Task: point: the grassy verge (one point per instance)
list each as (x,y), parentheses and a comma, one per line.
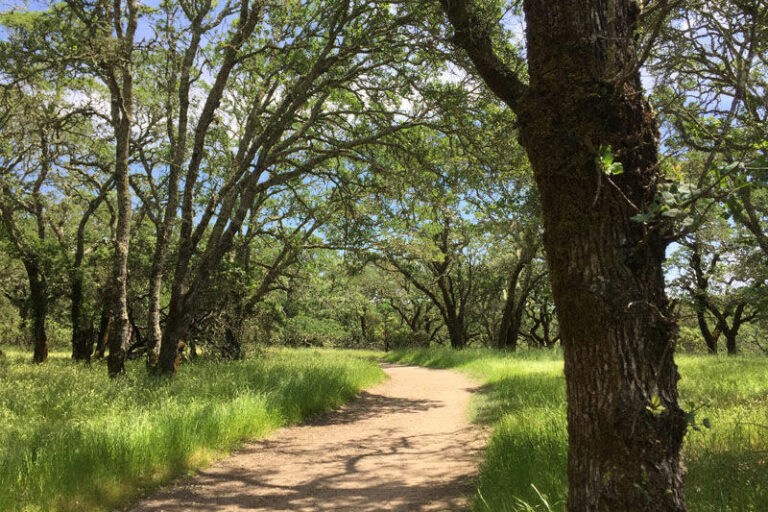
(73,440)
(523,398)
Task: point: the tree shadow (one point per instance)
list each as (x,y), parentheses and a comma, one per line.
(382,471)
(369,405)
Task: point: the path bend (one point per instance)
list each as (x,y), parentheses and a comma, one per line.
(405,445)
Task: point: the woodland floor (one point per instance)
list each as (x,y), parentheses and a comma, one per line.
(404,445)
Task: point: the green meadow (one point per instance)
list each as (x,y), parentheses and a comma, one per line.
(71,439)
(523,400)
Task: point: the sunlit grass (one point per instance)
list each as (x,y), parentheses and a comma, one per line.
(71,439)
(523,398)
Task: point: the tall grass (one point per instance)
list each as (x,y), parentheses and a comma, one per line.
(523,398)
(73,440)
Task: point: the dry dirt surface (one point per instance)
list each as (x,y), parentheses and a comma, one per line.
(405,445)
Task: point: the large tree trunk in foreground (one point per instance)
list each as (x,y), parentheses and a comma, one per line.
(607,277)
(606,269)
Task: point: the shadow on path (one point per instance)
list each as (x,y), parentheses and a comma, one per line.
(403,446)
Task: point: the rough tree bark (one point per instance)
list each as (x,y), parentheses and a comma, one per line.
(178,309)
(617,329)
(121,91)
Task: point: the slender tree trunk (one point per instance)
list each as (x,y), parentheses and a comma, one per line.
(710,338)
(179,315)
(120,332)
(165,229)
(82,339)
(38,295)
(730,344)
(154,331)
(122,115)
(700,302)
(617,327)
(508,328)
(184,302)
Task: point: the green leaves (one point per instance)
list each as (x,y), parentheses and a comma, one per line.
(671,202)
(607,163)
(656,408)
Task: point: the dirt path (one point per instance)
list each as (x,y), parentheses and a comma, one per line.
(404,446)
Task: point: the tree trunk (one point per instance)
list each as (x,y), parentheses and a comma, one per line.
(105,324)
(730,344)
(82,342)
(120,333)
(154,332)
(509,329)
(122,115)
(700,302)
(173,334)
(165,228)
(456,331)
(607,277)
(616,324)
(38,296)
(514,307)
(82,338)
(710,337)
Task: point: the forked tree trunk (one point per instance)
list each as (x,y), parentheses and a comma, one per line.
(82,337)
(710,337)
(606,269)
(512,316)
